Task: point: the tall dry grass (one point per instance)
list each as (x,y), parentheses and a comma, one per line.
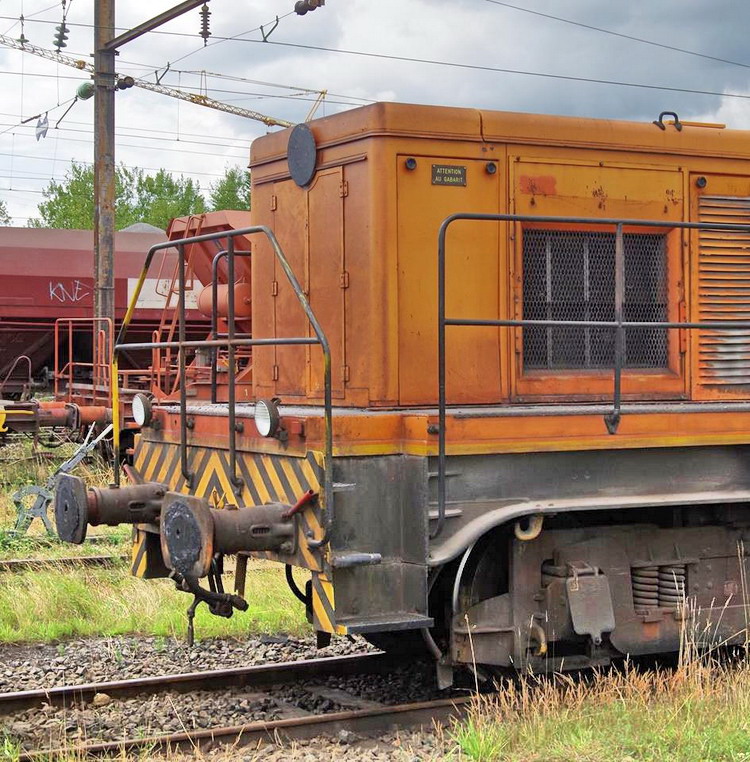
(697,712)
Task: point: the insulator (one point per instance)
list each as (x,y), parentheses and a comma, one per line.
(671,586)
(23,39)
(645,582)
(301,7)
(85,90)
(205,30)
(61,35)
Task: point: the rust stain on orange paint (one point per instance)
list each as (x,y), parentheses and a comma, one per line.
(541,185)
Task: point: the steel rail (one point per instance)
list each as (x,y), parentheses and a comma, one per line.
(256,676)
(361,722)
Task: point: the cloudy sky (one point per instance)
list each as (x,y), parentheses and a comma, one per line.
(501,56)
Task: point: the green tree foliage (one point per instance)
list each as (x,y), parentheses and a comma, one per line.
(139,197)
(232,191)
(160,197)
(70,203)
(4,216)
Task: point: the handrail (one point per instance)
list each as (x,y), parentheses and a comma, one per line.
(618,324)
(101,353)
(230,343)
(19,359)
(214,317)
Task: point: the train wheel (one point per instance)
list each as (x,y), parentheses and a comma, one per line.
(484,572)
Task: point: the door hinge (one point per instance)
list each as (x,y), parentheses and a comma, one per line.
(517,315)
(274,288)
(682,318)
(275,372)
(343,189)
(345,373)
(274,203)
(344,279)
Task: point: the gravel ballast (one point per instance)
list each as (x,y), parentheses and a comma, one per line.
(25,667)
(94,660)
(112,719)
(402,746)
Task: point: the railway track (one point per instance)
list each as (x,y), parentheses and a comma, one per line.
(24,564)
(346,711)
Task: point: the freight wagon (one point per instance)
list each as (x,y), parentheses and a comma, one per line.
(47,278)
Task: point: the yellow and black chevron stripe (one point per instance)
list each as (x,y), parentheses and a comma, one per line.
(265,478)
(323,605)
(138,557)
(146,560)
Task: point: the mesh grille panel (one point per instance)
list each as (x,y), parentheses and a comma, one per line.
(571,276)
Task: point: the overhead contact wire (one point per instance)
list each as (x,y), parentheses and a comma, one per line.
(459,65)
(621,34)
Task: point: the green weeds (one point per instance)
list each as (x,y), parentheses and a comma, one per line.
(10,751)
(48,605)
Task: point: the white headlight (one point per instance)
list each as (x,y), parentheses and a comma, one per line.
(141,409)
(266,417)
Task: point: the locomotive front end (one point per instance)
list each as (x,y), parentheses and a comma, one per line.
(491,392)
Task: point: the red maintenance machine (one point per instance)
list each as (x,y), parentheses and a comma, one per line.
(50,342)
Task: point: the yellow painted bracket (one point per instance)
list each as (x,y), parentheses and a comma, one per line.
(114,376)
(4,418)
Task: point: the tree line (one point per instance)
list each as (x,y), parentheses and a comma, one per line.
(139,197)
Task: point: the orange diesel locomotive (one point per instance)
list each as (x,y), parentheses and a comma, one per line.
(495,397)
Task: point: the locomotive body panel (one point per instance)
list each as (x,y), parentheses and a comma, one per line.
(609,170)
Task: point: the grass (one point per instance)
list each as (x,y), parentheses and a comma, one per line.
(697,713)
(113,542)
(65,602)
(22,465)
(43,606)
(10,751)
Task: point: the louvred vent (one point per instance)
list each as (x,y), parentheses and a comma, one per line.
(724,292)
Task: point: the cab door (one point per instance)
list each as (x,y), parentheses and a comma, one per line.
(430,188)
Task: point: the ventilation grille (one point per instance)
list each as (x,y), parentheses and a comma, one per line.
(724,292)
(570,275)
